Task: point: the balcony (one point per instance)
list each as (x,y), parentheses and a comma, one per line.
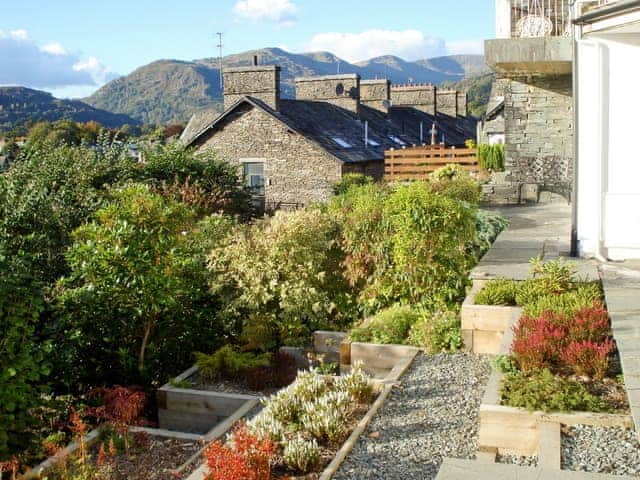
(533,38)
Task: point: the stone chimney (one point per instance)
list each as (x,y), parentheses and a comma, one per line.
(463,104)
(261,82)
(340,90)
(447,102)
(419,96)
(376,94)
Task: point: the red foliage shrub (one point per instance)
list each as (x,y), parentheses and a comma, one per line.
(10,466)
(590,324)
(245,458)
(121,408)
(588,358)
(538,341)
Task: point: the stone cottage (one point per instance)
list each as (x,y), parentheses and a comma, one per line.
(293,152)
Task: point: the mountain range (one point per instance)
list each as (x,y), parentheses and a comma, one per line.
(171,91)
(20,105)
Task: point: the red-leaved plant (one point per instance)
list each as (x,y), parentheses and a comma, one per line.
(10,466)
(244,457)
(590,324)
(121,408)
(538,341)
(580,342)
(588,358)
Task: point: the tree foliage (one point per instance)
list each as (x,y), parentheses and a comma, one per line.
(136,303)
(23,361)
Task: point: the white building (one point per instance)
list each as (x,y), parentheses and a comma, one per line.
(607,104)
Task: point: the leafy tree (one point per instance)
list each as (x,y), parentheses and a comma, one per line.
(136,304)
(23,360)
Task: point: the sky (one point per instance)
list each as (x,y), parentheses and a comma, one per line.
(72,47)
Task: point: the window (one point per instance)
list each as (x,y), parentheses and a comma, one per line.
(397,140)
(254,178)
(342,142)
(372,143)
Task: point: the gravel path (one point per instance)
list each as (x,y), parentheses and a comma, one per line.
(600,450)
(433,414)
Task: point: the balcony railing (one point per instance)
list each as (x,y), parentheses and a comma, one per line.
(533,18)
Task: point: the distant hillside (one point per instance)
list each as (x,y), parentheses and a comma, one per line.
(20,105)
(478,90)
(169,91)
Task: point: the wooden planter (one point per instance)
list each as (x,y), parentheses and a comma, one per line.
(483,326)
(516,431)
(383,385)
(197,411)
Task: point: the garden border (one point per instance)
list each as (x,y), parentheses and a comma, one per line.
(386,385)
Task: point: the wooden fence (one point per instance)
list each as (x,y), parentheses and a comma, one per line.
(417,163)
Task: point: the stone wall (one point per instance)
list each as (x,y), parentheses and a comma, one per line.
(296,170)
(539,132)
(463,104)
(447,102)
(420,96)
(375,94)
(340,90)
(262,82)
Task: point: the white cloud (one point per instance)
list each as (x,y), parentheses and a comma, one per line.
(353,47)
(406,44)
(49,66)
(282,12)
(54,49)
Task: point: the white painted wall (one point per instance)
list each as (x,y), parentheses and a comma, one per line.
(503,18)
(609,145)
(495,138)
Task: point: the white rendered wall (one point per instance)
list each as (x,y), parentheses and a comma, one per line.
(608,145)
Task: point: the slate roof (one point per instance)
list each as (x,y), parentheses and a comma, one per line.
(320,122)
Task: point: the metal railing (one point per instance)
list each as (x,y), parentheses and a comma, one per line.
(540,18)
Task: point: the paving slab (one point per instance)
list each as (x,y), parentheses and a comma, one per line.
(455,469)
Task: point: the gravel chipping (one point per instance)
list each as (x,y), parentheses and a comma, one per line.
(515,460)
(433,414)
(600,450)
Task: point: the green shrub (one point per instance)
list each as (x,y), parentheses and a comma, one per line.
(24,362)
(548,392)
(228,362)
(136,303)
(583,295)
(491,157)
(282,278)
(489,224)
(437,332)
(453,182)
(501,292)
(350,180)
(390,326)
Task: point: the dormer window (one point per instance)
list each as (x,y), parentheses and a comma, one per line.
(372,143)
(341,142)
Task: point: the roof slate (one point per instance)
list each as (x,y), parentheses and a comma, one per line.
(320,121)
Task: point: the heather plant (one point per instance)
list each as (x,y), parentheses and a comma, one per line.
(583,296)
(539,341)
(356,383)
(542,390)
(500,292)
(300,454)
(587,358)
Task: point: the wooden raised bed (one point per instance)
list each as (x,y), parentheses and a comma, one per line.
(483,326)
(517,431)
(384,387)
